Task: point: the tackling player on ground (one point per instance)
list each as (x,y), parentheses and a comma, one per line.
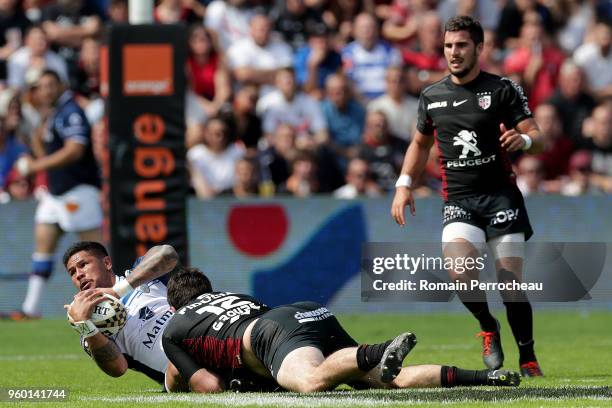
(216,338)
(475,119)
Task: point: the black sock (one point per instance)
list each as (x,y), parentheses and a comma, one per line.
(453,376)
(520,318)
(369,355)
(481,312)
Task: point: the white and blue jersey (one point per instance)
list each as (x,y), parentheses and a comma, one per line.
(140,340)
(70,123)
(367,68)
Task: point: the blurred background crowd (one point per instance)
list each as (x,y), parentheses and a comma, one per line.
(305,97)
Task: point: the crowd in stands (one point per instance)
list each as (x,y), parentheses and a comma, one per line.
(303,97)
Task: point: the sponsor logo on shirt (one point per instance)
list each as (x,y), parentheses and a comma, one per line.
(145,313)
(468,142)
(151,335)
(435,105)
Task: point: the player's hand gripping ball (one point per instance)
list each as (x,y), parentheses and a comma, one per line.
(109,315)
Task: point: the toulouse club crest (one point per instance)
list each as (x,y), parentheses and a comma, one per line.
(484,101)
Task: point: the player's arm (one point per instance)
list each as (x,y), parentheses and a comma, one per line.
(199,379)
(158,261)
(518,130)
(102,349)
(71,152)
(525,135)
(414,164)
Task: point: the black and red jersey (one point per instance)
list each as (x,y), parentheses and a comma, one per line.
(465,121)
(207,333)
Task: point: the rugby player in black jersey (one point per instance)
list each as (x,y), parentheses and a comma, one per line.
(218,339)
(476,119)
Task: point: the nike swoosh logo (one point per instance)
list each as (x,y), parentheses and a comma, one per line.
(455,103)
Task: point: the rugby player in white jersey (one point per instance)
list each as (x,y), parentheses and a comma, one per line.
(143,292)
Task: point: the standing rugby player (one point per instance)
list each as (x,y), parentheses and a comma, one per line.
(476,119)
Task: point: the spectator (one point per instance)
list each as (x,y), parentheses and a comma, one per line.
(245,124)
(366,59)
(229,21)
(535,61)
(10,150)
(382,151)
(580,176)
(511,20)
(173,12)
(344,115)
(72,203)
(399,107)
(599,129)
(14,122)
(34,55)
(33,10)
(209,78)
(213,162)
(67,23)
(595,59)
(303,181)
(402,22)
(293,20)
(117,12)
(316,61)
(530,175)
(426,61)
(246,180)
(487,12)
(578,16)
(358,181)
(86,82)
(13,24)
(571,100)
(257,58)
(287,105)
(341,16)
(557,148)
(18,187)
(491,58)
(277,159)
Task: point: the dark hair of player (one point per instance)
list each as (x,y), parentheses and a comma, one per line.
(186,285)
(89,246)
(466,23)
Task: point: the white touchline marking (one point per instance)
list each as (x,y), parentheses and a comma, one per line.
(42,357)
(246,399)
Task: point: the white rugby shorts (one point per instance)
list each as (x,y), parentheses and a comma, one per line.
(76,210)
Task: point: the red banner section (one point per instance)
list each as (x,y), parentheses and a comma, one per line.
(147,184)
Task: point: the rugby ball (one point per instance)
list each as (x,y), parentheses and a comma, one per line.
(109,315)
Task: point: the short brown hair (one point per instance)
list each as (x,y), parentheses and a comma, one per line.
(466,23)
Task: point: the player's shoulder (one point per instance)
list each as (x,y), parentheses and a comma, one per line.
(439,86)
(499,81)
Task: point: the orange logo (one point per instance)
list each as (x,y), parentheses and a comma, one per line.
(147,70)
(72,207)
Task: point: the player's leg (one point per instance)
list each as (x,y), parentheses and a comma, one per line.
(508,228)
(306,369)
(46,237)
(382,362)
(463,240)
(424,376)
(508,251)
(304,347)
(91,235)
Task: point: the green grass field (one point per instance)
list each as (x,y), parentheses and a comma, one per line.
(575,350)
